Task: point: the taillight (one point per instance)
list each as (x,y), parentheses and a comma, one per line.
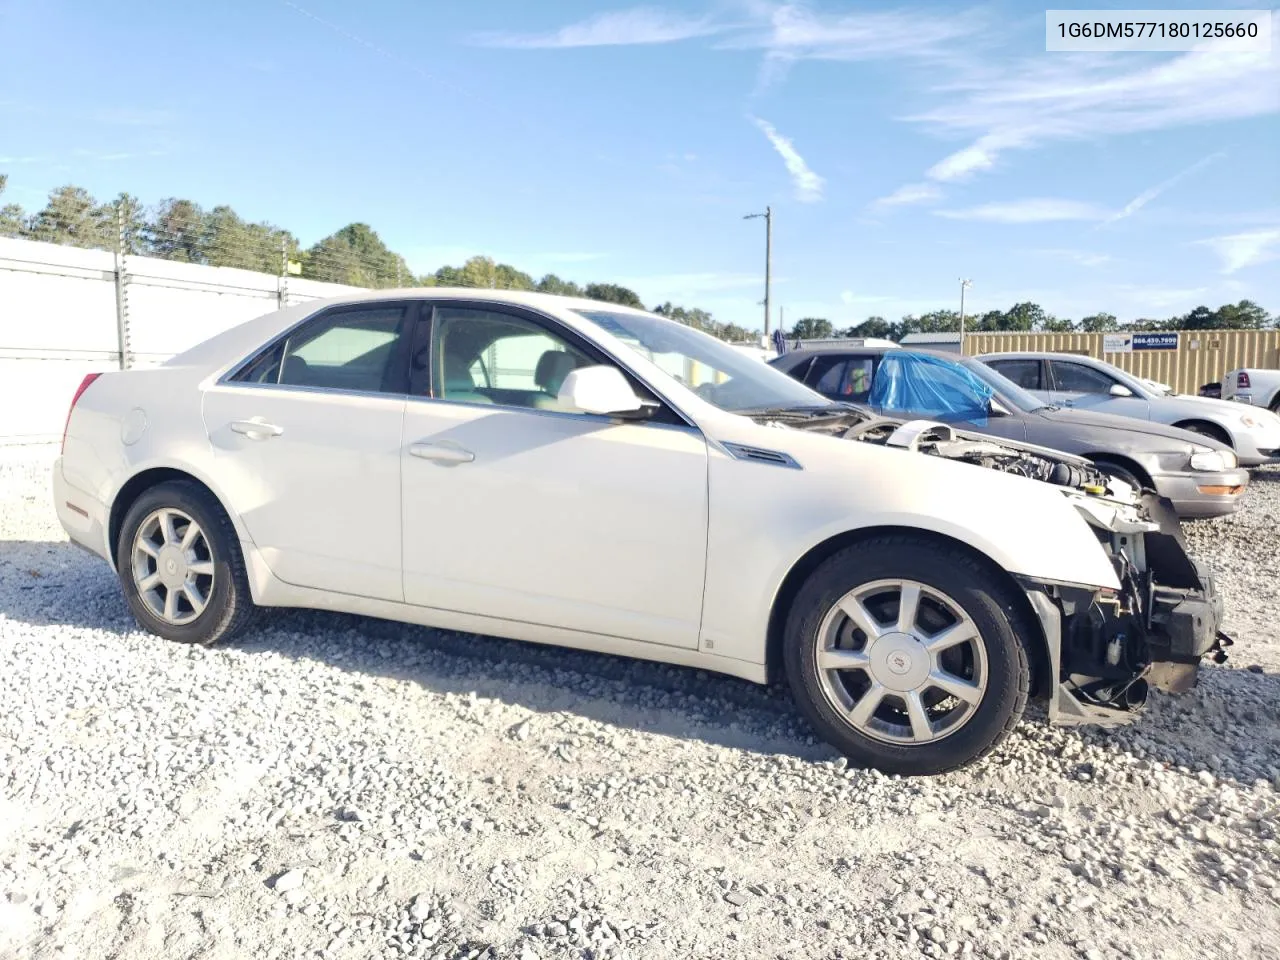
(1242,381)
(84,385)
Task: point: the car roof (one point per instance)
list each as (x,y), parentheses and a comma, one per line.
(1038,355)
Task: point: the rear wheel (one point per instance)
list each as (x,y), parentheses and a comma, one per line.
(181,567)
(903,654)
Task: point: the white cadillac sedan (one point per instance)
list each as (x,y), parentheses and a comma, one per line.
(579,473)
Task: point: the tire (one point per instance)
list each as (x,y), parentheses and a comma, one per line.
(996,656)
(1201,430)
(211,569)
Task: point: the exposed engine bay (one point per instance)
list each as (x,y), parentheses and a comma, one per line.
(1106,647)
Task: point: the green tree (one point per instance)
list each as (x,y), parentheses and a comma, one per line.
(812,328)
(553,284)
(177,232)
(877,327)
(73,218)
(938,321)
(1245,315)
(612,293)
(357,256)
(1100,323)
(13,221)
(1052,324)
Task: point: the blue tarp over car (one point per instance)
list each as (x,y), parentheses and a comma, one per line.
(922,384)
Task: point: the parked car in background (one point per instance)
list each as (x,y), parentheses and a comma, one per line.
(1212,390)
(1199,474)
(579,473)
(1253,385)
(1085,383)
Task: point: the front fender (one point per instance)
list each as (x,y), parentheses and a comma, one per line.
(763,520)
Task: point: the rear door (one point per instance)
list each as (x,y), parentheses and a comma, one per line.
(306,437)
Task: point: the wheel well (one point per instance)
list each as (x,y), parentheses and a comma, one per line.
(1121,461)
(1208,428)
(135,487)
(1037,652)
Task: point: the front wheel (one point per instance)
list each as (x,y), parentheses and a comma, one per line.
(903,654)
(181,566)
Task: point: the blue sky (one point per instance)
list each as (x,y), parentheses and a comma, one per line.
(901,147)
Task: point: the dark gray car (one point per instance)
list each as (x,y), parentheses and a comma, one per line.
(1198,474)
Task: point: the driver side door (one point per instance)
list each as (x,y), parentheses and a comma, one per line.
(518,509)
(1082,386)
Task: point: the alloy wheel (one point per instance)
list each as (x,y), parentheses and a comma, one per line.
(901,661)
(173,566)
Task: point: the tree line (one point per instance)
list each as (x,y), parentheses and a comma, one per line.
(1028,316)
(181,230)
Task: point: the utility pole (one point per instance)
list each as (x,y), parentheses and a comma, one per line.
(964,285)
(282,284)
(768,258)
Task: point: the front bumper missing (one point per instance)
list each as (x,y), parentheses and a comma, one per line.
(1182,626)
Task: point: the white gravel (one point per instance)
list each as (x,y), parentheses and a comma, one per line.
(331,786)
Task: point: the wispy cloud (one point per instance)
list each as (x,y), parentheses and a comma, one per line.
(1240,250)
(1142,199)
(1082,257)
(808,185)
(639,25)
(792,32)
(1035,210)
(910,193)
(1034,102)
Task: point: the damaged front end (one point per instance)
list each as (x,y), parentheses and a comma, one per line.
(1105,647)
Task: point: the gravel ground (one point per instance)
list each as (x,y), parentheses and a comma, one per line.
(331,786)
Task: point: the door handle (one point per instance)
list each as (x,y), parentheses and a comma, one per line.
(256,429)
(440,453)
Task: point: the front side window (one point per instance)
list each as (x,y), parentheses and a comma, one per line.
(490,357)
(716,371)
(1077,378)
(350,349)
(1025,373)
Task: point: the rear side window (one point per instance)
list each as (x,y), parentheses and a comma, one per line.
(340,350)
(844,378)
(1025,373)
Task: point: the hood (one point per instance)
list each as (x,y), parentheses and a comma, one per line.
(1073,475)
(1074,416)
(1224,410)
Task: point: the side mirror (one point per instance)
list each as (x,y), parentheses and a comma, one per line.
(998,409)
(1120,390)
(602,390)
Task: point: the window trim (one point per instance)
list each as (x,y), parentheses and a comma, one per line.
(1041,371)
(397,374)
(1053,365)
(554,328)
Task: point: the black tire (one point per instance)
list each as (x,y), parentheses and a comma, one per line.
(229,607)
(972,586)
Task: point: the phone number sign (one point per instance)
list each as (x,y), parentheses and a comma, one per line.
(1128,342)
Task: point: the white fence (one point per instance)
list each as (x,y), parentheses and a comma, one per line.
(65,312)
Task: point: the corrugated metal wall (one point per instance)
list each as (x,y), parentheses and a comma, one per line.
(1203,356)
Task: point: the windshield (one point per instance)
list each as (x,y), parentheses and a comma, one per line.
(1006,390)
(728,378)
